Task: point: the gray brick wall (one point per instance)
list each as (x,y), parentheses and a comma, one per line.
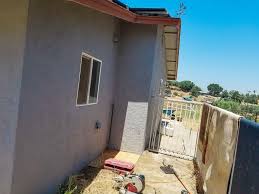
(133,138)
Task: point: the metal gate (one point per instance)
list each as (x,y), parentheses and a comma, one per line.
(175,128)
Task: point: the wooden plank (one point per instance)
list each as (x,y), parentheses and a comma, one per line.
(119,155)
(127,157)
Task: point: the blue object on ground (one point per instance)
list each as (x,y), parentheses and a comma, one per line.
(168,111)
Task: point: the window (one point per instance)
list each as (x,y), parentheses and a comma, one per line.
(88,88)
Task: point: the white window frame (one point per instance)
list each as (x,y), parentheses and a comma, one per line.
(90,80)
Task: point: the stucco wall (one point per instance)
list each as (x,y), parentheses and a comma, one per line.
(157,84)
(54,137)
(135,62)
(13,17)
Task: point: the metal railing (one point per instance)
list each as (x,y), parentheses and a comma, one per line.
(185,112)
(178,130)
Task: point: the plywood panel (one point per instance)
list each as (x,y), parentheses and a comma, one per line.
(119,155)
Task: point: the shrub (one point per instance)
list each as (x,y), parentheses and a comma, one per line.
(69,187)
(229,105)
(173,83)
(247,110)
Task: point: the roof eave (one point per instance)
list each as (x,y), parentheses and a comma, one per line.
(172,51)
(111,8)
(157,20)
(178,48)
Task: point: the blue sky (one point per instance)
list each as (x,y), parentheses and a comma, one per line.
(219,41)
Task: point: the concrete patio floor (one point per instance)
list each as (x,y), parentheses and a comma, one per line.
(159,179)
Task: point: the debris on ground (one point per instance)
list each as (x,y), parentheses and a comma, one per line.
(169,169)
(130,183)
(119,155)
(158,178)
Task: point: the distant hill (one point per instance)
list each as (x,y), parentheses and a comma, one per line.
(177,93)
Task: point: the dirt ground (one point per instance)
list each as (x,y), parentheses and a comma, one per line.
(158,171)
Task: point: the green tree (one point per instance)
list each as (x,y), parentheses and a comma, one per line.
(251,98)
(225,94)
(215,89)
(186,86)
(195,91)
(236,96)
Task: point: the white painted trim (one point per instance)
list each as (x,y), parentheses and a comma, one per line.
(90,56)
(99,81)
(90,80)
(78,83)
(81,105)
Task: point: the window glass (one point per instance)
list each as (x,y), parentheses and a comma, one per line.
(94,88)
(88,88)
(84,80)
